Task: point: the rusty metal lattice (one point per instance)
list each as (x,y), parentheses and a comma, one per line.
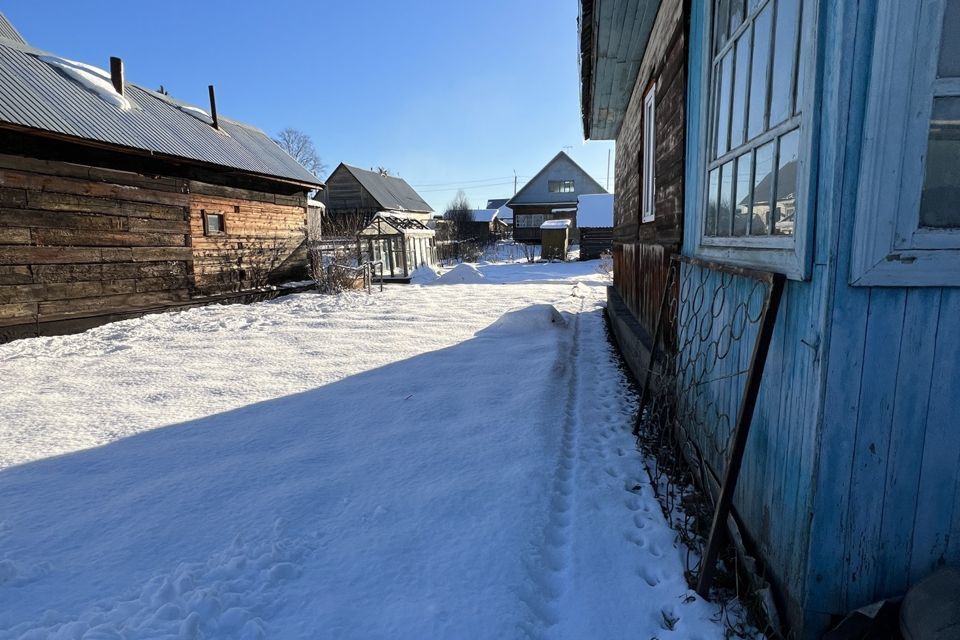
(709,350)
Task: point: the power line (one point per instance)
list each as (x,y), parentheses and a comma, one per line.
(470,188)
(455,182)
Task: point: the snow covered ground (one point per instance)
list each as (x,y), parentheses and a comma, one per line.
(446,460)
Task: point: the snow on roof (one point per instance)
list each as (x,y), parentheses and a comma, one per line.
(595,210)
(564,209)
(90,77)
(315,203)
(559,223)
(484,215)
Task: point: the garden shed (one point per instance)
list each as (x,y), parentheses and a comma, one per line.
(402,243)
(555,237)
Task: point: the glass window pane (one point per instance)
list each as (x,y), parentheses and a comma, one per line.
(741,195)
(949,65)
(725,210)
(940,201)
(784,55)
(720,23)
(723,103)
(784,214)
(758,72)
(713,187)
(736,14)
(799,88)
(762,188)
(738,116)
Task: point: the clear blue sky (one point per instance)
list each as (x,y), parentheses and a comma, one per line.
(445,94)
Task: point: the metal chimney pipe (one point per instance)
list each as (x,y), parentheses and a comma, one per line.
(116,74)
(213,107)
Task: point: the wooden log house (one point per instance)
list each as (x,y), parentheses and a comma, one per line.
(116,200)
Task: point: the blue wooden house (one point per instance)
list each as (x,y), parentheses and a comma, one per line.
(821,140)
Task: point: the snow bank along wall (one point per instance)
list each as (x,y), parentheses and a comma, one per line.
(88,236)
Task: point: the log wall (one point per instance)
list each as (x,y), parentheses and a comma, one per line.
(79,242)
(264,234)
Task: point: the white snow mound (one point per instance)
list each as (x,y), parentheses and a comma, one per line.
(423,275)
(534,319)
(462,274)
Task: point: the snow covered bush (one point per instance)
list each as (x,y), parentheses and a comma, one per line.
(333,266)
(606,264)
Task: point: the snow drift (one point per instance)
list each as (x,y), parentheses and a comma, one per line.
(423,275)
(530,320)
(463,273)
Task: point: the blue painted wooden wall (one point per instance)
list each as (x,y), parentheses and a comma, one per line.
(850,485)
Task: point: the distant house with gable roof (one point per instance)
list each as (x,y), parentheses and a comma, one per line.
(549,195)
(355,195)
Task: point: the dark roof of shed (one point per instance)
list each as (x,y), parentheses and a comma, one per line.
(496,203)
(37,96)
(390,192)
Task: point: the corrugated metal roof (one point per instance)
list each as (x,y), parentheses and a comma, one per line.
(38,96)
(389,191)
(8,31)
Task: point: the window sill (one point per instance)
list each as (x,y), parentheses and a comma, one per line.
(783,260)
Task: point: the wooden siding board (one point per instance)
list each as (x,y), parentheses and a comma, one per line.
(845,317)
(878,379)
(939,479)
(902,473)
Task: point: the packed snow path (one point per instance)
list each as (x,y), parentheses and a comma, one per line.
(447,460)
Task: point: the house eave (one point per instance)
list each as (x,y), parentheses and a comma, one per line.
(613,38)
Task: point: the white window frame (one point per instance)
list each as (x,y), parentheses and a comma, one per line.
(649,155)
(790,255)
(889,246)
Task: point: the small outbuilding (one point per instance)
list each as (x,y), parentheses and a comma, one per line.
(402,243)
(555,238)
(486,224)
(595,221)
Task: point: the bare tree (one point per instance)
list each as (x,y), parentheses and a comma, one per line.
(460,215)
(299,145)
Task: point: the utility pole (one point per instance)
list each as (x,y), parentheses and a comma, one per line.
(608,168)
(514,182)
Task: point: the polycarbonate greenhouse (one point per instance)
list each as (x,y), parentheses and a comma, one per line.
(403,244)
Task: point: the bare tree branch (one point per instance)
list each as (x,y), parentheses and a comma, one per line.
(300,146)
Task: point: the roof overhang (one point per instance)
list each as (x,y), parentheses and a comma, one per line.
(613,38)
(177,160)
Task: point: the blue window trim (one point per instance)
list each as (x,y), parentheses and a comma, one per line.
(791,256)
(889,247)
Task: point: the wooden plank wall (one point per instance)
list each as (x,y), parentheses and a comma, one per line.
(775,494)
(263,230)
(344,191)
(643,250)
(78,241)
(887,511)
(850,485)
(595,241)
